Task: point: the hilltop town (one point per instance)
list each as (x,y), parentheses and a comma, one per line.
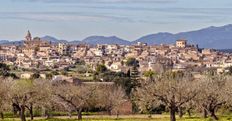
(40,55)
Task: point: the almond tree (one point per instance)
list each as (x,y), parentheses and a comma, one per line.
(27,93)
(21,94)
(42,98)
(173,89)
(212,95)
(74,97)
(4,95)
(146,101)
(228,91)
(111,98)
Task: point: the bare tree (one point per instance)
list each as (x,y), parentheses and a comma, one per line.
(173,89)
(4,95)
(146,101)
(111,98)
(27,93)
(42,97)
(213,95)
(189,107)
(73,97)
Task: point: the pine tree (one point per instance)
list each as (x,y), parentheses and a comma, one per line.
(134,79)
(134,76)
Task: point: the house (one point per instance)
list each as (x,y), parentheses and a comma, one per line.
(62,79)
(181,43)
(26,75)
(116,67)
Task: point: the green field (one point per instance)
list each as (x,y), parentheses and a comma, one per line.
(225,118)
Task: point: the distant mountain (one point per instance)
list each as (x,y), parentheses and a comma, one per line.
(225,50)
(4,41)
(93,40)
(53,40)
(211,37)
(7,42)
(159,38)
(75,42)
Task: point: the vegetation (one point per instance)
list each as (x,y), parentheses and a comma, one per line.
(5,71)
(101,68)
(170,93)
(132,62)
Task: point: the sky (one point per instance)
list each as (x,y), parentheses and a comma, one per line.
(127,19)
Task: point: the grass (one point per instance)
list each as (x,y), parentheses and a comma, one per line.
(225,118)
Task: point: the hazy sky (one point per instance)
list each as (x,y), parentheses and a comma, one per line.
(128,19)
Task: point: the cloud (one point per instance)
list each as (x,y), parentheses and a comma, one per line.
(61,16)
(139,13)
(161,16)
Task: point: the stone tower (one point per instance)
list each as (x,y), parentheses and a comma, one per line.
(28,37)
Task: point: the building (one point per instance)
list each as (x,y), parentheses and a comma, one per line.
(181,43)
(62,48)
(34,43)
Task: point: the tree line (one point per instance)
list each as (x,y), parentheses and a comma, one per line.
(181,93)
(177,92)
(23,96)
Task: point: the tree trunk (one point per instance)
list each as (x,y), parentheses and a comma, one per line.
(22,113)
(70,114)
(2,115)
(213,115)
(109,111)
(189,112)
(79,114)
(180,111)
(172,113)
(205,114)
(46,114)
(117,114)
(31,112)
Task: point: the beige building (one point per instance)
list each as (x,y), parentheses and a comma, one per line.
(62,48)
(181,43)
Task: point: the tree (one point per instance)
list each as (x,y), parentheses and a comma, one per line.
(49,75)
(74,98)
(212,94)
(146,103)
(134,77)
(42,88)
(132,62)
(170,89)
(21,94)
(229,70)
(111,98)
(134,84)
(4,95)
(149,74)
(189,107)
(36,75)
(4,69)
(101,68)
(27,93)
(124,82)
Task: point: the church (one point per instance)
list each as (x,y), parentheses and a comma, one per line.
(32,46)
(35,42)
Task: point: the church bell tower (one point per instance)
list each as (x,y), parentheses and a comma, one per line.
(28,37)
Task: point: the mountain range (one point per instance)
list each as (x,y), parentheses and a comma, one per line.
(211,37)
